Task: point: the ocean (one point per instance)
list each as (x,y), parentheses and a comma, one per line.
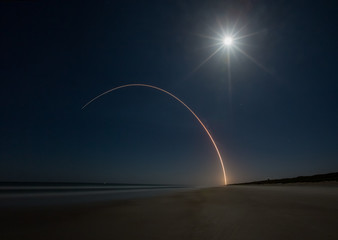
(23,194)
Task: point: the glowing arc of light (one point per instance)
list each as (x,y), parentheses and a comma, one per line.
(172,95)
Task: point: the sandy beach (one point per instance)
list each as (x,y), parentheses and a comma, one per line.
(232,212)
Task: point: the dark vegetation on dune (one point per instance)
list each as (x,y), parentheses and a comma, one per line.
(300,179)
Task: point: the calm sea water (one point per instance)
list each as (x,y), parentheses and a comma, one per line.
(38,194)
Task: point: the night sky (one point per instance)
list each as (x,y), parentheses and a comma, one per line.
(276,117)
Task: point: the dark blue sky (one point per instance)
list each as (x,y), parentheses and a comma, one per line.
(55,57)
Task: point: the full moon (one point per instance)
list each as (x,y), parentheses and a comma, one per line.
(227,41)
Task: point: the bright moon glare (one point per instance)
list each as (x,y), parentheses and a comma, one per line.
(227,41)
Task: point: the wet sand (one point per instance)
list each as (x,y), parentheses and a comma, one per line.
(232,212)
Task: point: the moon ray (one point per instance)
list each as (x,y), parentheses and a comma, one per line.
(206,60)
(250,34)
(254,60)
(179,100)
(229,81)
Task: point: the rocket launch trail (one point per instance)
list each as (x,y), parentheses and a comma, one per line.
(172,95)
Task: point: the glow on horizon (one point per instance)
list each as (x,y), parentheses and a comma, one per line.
(172,95)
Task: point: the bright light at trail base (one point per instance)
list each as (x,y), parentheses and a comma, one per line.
(227,41)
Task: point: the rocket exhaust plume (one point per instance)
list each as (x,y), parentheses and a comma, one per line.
(172,95)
